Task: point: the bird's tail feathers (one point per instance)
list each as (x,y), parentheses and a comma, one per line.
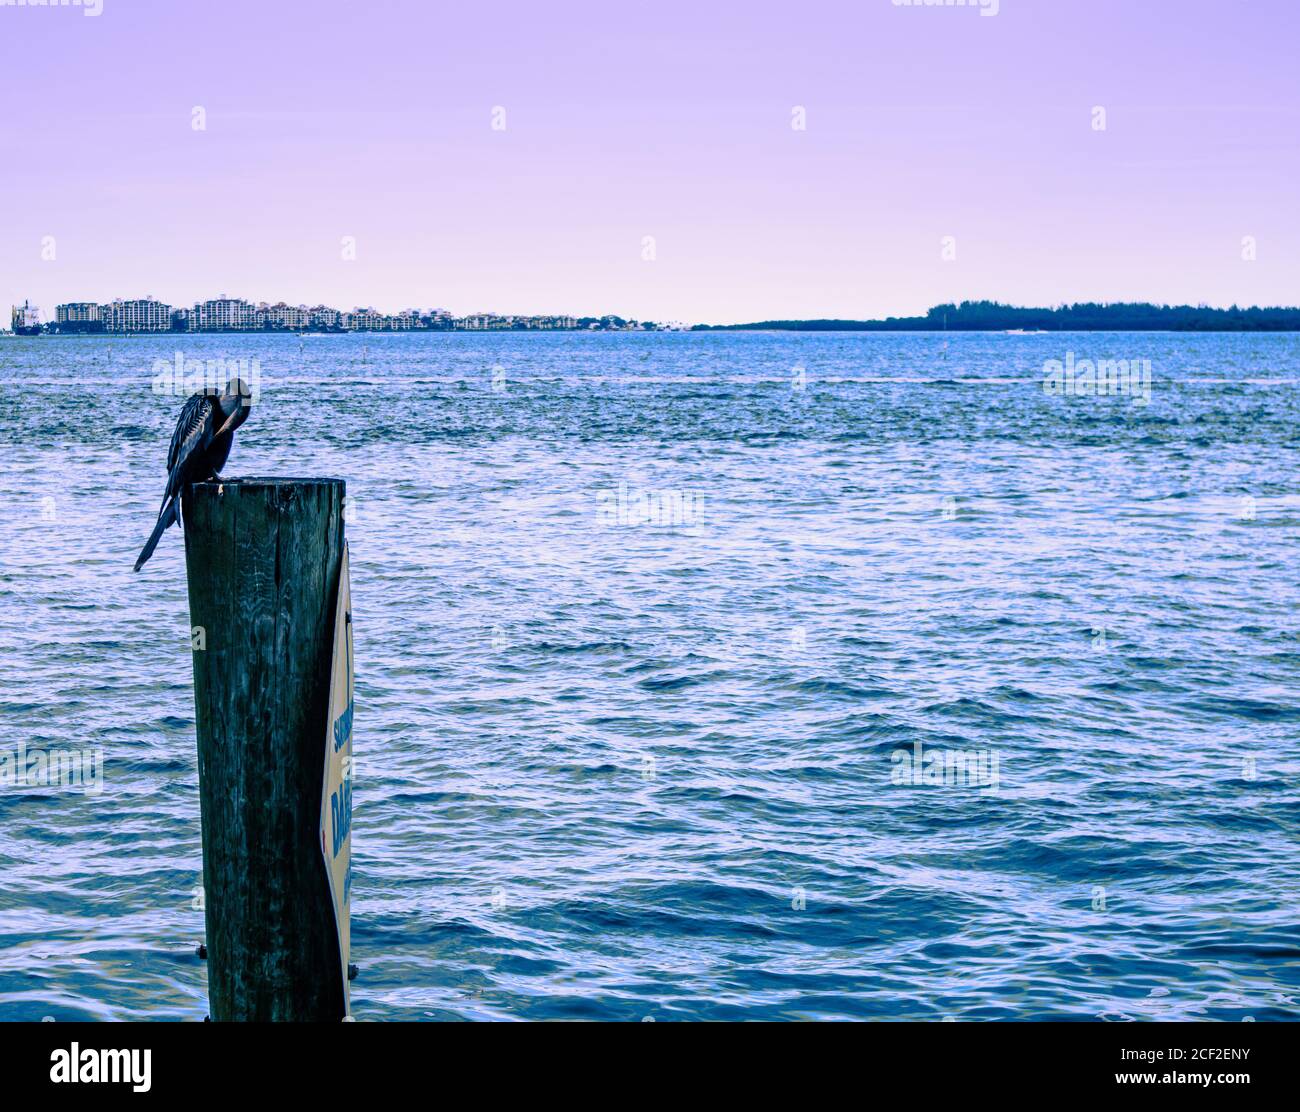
(166,516)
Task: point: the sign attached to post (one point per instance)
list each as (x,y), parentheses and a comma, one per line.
(336,785)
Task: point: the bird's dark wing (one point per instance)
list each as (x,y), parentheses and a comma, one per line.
(193,432)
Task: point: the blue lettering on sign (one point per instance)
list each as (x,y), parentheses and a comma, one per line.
(343,728)
(341,814)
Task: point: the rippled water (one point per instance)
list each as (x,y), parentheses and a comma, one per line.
(617,768)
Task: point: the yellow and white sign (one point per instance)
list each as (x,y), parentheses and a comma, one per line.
(336,785)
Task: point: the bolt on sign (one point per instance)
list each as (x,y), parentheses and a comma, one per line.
(336,785)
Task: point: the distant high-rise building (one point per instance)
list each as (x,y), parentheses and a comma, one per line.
(322,316)
(225,314)
(483,321)
(79,312)
(143,315)
(80,316)
(363,320)
(281,316)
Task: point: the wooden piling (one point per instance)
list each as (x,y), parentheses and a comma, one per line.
(263,558)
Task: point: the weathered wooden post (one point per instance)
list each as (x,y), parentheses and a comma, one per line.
(263,558)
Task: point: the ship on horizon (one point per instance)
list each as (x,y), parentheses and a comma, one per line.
(25,320)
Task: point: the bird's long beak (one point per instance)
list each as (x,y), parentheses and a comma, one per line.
(229,421)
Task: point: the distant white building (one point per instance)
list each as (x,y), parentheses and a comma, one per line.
(282,316)
(484,321)
(363,320)
(79,312)
(143,315)
(225,314)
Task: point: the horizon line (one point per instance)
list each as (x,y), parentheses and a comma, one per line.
(778,323)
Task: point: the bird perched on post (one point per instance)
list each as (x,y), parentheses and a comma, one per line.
(199,450)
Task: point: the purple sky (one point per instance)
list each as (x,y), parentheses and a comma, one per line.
(330,119)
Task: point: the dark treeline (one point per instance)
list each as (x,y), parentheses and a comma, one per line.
(991,316)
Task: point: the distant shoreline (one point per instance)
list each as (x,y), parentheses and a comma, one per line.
(813,327)
(232,314)
(992,316)
(794,326)
(968,316)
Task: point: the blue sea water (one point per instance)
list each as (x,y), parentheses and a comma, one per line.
(650,627)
